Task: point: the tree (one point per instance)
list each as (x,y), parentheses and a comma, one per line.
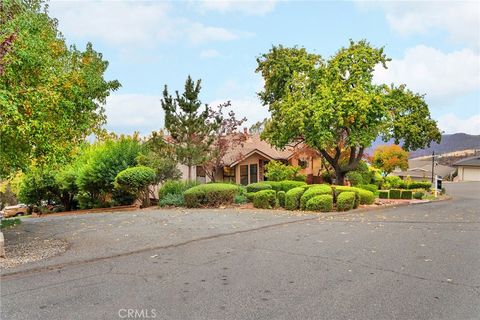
(50,94)
(66,179)
(277,171)
(258,127)
(334,107)
(159,155)
(136,180)
(188,122)
(39,185)
(388,158)
(226,138)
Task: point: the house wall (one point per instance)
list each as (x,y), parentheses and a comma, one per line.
(253,159)
(314,163)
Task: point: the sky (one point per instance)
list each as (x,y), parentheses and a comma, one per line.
(434,46)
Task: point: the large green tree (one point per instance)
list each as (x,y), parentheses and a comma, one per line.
(191,127)
(334,106)
(51,95)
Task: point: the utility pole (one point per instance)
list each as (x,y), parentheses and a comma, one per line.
(433,167)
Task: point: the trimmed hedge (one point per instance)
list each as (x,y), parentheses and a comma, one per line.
(406,194)
(258,186)
(211,194)
(281,198)
(312,192)
(346,201)
(265,199)
(383,194)
(249,196)
(370,187)
(292,198)
(420,185)
(366,197)
(418,195)
(322,203)
(340,189)
(395,194)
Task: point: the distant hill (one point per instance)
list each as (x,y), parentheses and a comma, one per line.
(449,143)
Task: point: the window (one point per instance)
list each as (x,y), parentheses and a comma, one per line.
(201,176)
(229,174)
(244,175)
(253,173)
(303,163)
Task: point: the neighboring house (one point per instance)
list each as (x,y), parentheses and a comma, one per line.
(245,163)
(468,169)
(419,170)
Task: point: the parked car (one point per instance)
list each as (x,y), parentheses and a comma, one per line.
(17,210)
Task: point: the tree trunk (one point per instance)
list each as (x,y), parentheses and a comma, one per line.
(340,176)
(189,173)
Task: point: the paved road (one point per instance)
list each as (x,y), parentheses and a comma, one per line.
(415,262)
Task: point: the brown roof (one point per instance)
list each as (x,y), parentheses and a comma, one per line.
(252,145)
(469,162)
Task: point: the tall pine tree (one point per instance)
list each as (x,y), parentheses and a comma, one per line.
(191,128)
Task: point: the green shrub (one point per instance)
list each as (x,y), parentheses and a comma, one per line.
(292,198)
(136,180)
(289,184)
(277,171)
(265,199)
(341,189)
(240,199)
(175,187)
(370,187)
(418,195)
(355,178)
(322,203)
(312,192)
(392,182)
(300,177)
(210,194)
(346,201)
(406,194)
(420,185)
(395,193)
(383,194)
(281,198)
(172,200)
(249,196)
(366,197)
(258,186)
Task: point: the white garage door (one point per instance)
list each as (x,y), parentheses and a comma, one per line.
(471,173)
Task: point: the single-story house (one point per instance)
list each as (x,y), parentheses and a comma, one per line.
(419,170)
(468,169)
(245,163)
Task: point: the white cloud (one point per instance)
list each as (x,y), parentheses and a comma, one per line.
(450,123)
(248,7)
(127,113)
(209,53)
(428,70)
(247,107)
(460,19)
(132,23)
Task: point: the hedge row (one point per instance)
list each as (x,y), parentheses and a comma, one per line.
(399,194)
(211,194)
(274,185)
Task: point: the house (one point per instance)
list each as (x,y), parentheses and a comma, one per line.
(245,163)
(420,170)
(468,169)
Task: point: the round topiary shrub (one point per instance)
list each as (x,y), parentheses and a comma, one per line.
(366,197)
(292,198)
(265,199)
(281,198)
(136,180)
(312,192)
(345,201)
(290,184)
(370,187)
(258,186)
(418,195)
(322,203)
(249,196)
(211,194)
(339,189)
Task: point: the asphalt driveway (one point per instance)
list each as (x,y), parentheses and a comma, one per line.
(414,262)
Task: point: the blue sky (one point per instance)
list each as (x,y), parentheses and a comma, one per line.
(435,47)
